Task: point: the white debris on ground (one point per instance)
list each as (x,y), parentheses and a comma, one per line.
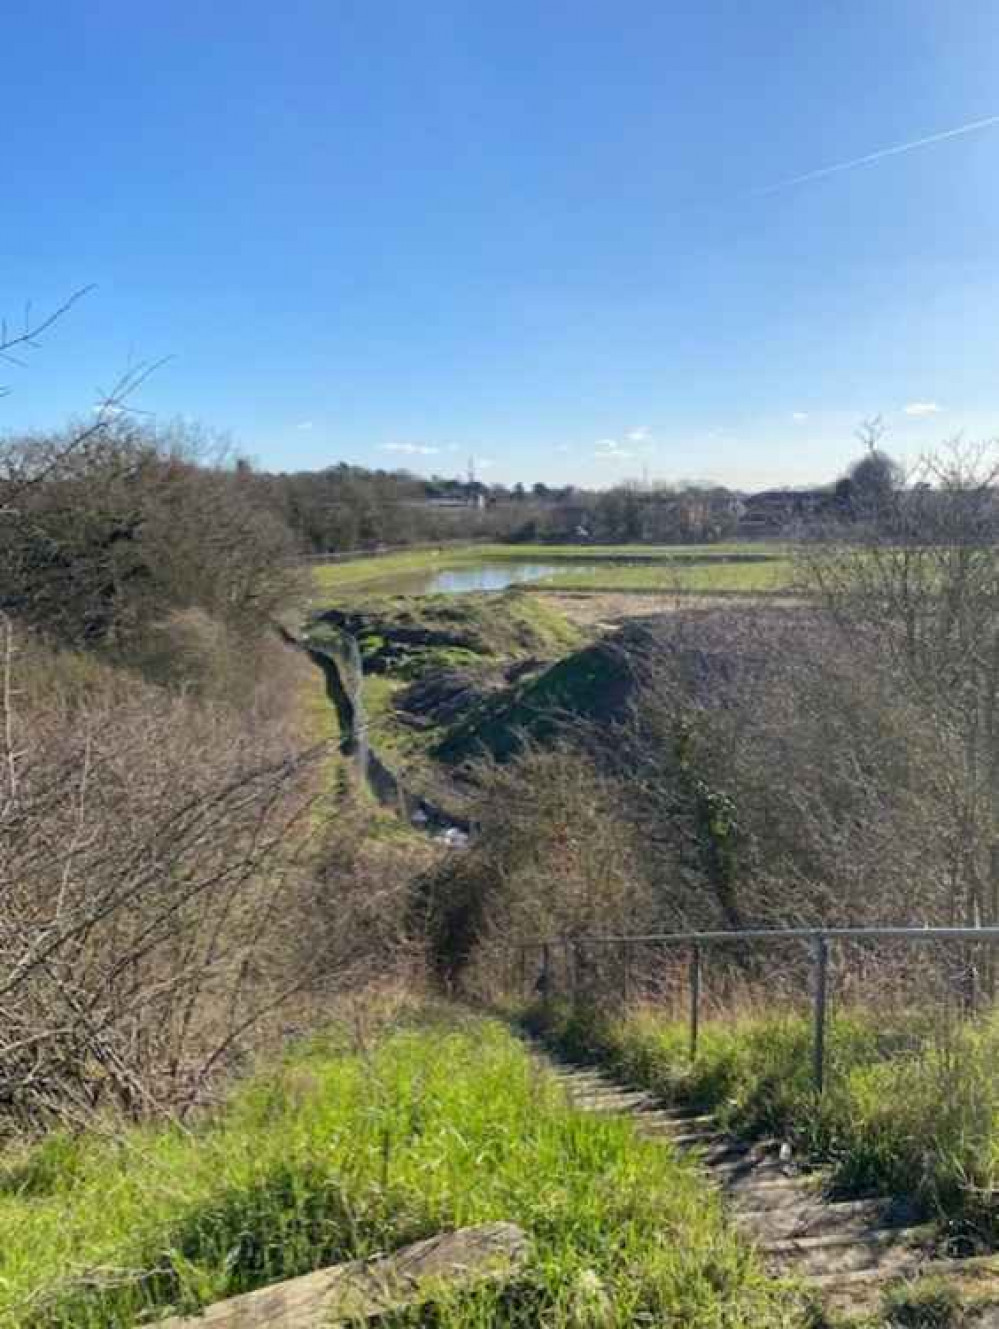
(453,838)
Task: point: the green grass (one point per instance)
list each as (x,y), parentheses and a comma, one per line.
(365,573)
(910,1108)
(926,1303)
(397,743)
(338,1153)
(403,638)
(405,634)
(395,569)
(713,576)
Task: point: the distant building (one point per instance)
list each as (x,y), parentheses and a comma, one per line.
(774,510)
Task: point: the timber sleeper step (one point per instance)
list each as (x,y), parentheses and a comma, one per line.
(818,1217)
(365,1291)
(848,1251)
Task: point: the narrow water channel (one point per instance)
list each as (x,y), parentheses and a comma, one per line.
(343,674)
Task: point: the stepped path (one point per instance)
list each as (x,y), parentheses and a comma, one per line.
(847,1251)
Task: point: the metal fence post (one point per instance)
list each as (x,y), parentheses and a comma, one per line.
(695,998)
(523,972)
(819,1036)
(546,971)
(626,972)
(570,976)
(993,915)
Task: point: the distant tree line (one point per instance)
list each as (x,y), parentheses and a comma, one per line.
(344,508)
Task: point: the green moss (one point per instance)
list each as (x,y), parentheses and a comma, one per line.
(495,627)
(403,639)
(593,684)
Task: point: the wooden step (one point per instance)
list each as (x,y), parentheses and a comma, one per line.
(849,1251)
(972,1267)
(364,1290)
(668,1128)
(817,1217)
(811,1257)
(761,1195)
(858,1291)
(733,1171)
(700,1138)
(622,1105)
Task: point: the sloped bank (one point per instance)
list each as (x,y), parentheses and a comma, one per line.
(383,783)
(407,669)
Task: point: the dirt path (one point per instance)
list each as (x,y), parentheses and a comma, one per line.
(847,1251)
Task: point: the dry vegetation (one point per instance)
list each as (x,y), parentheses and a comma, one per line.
(833,764)
(176,884)
(186,877)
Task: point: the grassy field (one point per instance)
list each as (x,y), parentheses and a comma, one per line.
(909,1109)
(734,564)
(713,576)
(342,1152)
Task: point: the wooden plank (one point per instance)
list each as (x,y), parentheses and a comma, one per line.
(362,1290)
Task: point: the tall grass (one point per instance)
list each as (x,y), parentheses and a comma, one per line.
(339,1153)
(912,1109)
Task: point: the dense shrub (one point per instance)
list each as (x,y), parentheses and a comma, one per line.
(102,540)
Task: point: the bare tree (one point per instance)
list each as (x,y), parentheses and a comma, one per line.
(144,890)
(107,531)
(923,588)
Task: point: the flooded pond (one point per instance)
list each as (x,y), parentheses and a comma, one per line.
(497,574)
(477,577)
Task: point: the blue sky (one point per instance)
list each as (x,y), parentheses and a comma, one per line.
(538,232)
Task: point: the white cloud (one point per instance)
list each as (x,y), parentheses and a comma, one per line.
(920,408)
(640,435)
(563,447)
(305,425)
(609,449)
(410,449)
(799,416)
(484,463)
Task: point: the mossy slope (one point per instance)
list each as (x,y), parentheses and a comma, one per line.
(594,685)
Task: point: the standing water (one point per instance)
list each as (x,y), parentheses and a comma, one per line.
(483,576)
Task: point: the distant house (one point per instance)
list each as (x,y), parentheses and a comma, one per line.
(465,500)
(445,501)
(774,510)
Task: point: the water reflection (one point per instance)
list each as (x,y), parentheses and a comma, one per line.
(479,577)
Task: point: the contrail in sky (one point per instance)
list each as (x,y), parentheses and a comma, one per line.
(972,127)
